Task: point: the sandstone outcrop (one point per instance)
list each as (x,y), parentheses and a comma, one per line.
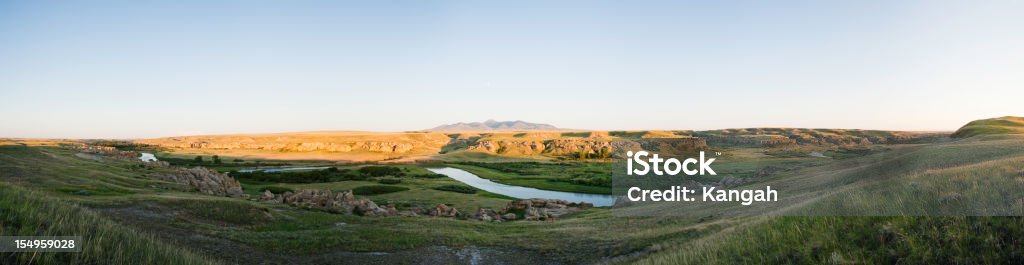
(442,210)
(106,151)
(346,203)
(332,142)
(534,147)
(569,146)
(509,147)
(572,146)
(544,209)
(530,210)
(205,180)
(341,202)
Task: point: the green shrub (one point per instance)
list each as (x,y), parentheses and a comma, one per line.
(377,189)
(378,171)
(390,181)
(457,188)
(306,176)
(429,176)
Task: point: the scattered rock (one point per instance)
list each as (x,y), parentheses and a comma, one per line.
(442,210)
(341,202)
(485,214)
(531,209)
(267,195)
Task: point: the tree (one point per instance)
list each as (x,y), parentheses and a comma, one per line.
(216,159)
(199,159)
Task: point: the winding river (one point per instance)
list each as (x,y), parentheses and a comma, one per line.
(521,192)
(490,186)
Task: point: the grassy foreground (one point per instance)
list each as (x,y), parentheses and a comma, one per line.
(25,212)
(858,240)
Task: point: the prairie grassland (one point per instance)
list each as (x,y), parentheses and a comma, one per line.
(916,184)
(174,220)
(26,212)
(994,126)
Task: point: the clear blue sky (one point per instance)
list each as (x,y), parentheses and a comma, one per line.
(142,69)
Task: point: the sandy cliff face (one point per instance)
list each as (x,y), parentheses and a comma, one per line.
(341,142)
(509,147)
(367,146)
(381,146)
(575,145)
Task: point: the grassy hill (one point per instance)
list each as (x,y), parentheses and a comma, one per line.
(1002,125)
(35,200)
(913,183)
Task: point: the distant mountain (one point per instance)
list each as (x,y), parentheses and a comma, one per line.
(492,125)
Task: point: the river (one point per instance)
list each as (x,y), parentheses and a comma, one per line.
(147,157)
(521,192)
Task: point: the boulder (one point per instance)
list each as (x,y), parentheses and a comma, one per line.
(442,210)
(485,214)
(267,195)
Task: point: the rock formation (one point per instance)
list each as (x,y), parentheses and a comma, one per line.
(442,210)
(544,209)
(205,180)
(339,142)
(341,202)
(107,151)
(530,210)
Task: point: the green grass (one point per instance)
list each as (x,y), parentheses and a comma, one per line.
(576,134)
(905,181)
(457,188)
(377,189)
(857,240)
(994,126)
(214,209)
(31,213)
